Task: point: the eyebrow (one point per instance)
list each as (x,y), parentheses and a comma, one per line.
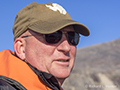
(26,36)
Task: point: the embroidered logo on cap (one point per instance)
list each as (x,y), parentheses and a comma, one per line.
(56,7)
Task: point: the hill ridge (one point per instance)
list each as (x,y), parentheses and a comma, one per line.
(102,58)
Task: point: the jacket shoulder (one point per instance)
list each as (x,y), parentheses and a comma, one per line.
(10,84)
(6,86)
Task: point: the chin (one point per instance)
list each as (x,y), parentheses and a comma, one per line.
(62,75)
(61,78)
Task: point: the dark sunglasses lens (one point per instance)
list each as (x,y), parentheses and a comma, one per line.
(73,38)
(53,37)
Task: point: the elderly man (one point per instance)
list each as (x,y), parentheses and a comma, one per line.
(45,40)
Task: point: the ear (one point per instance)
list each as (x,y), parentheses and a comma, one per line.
(19,47)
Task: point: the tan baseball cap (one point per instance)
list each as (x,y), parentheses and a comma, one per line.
(45,18)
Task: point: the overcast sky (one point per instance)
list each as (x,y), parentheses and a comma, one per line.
(102,17)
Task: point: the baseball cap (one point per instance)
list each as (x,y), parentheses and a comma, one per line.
(45,18)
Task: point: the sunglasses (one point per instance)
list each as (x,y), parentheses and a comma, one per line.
(53,38)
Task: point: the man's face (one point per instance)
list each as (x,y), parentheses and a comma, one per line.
(56,59)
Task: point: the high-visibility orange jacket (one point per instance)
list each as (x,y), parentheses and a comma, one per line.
(28,77)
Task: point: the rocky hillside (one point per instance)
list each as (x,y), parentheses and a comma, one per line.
(97,67)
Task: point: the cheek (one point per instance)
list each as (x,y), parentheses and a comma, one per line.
(72,55)
(40,55)
(44,56)
(73,51)
(41,52)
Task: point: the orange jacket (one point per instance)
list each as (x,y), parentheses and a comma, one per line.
(16,69)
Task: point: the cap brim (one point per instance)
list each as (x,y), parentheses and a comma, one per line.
(47,27)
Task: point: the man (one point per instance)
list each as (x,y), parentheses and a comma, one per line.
(45,39)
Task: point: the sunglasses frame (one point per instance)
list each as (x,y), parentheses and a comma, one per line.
(62,32)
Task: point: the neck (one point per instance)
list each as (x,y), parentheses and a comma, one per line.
(60,81)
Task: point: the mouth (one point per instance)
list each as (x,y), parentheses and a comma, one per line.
(63,60)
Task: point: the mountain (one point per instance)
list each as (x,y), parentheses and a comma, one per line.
(96,67)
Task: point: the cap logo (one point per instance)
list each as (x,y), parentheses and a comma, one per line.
(56,7)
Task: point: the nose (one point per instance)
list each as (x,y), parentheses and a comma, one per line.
(64,46)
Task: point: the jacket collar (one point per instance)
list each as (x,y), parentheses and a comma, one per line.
(47,78)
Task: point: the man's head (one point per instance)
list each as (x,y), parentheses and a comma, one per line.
(45,18)
(46,37)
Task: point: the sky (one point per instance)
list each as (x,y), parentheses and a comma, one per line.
(102,17)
